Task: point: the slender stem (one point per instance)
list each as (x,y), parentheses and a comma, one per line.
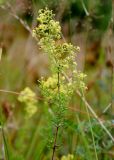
(3,136)
(11,92)
(83,138)
(17,93)
(8,8)
(112,79)
(92,111)
(5,144)
(95,115)
(57,127)
(55,141)
(93,139)
(85,9)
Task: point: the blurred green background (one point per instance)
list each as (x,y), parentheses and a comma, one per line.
(88,24)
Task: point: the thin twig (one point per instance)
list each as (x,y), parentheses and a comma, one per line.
(5,143)
(17,93)
(85,9)
(95,115)
(13,14)
(112,83)
(92,111)
(91,130)
(107,108)
(78,110)
(0,53)
(11,92)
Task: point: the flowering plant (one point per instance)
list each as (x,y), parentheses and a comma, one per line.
(64,79)
(59,87)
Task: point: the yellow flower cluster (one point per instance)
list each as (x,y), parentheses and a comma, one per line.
(28,97)
(78,81)
(62,56)
(48,32)
(68,157)
(50,85)
(47,26)
(65,54)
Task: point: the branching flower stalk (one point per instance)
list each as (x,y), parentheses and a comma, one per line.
(56,88)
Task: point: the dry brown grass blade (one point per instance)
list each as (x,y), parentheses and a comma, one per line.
(92,111)
(95,115)
(0,53)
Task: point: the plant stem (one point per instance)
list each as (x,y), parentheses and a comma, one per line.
(83,138)
(93,139)
(85,9)
(55,141)
(57,127)
(3,136)
(8,8)
(92,111)
(112,79)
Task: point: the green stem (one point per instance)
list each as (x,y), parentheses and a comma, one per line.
(83,137)
(57,127)
(112,79)
(84,7)
(91,132)
(55,141)
(3,136)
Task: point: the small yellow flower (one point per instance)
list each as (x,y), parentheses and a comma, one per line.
(68,157)
(28,97)
(78,48)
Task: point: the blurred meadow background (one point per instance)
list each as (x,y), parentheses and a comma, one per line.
(88,24)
